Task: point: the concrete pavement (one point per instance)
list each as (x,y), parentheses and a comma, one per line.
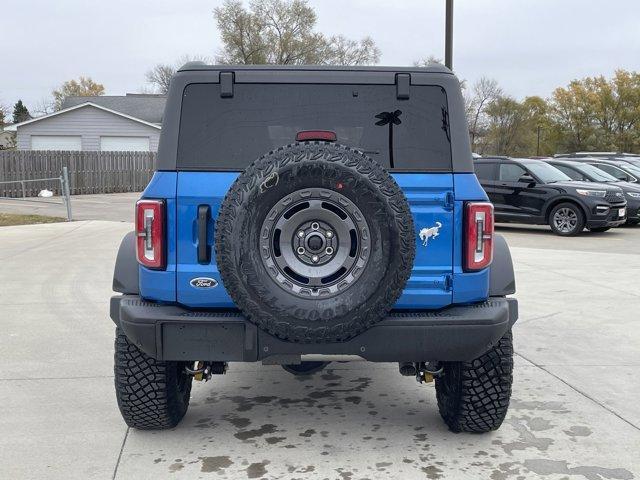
(117,207)
(574,412)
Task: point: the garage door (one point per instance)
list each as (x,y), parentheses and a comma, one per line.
(56,142)
(124,144)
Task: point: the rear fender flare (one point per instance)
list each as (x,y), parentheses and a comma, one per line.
(126,276)
(502,279)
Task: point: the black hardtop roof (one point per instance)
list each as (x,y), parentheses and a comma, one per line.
(200,66)
(229,75)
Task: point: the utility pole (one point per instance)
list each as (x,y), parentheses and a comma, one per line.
(448,36)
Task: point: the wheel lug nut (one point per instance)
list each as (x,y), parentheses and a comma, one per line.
(329,251)
(315,226)
(329,234)
(300,250)
(301,234)
(314,259)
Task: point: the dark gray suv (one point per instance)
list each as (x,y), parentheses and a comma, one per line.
(534,192)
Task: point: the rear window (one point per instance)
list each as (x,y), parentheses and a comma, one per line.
(229,133)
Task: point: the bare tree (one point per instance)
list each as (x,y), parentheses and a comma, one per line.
(159,77)
(482,93)
(428,61)
(352,52)
(45,106)
(4,114)
(283,32)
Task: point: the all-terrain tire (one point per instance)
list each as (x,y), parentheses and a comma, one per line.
(574,213)
(264,191)
(474,396)
(151,394)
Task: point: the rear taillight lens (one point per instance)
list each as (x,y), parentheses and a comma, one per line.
(150,233)
(478,228)
(319,135)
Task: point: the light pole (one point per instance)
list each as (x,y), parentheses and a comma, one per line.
(538,144)
(448,36)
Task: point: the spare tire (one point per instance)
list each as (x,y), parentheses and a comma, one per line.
(314,242)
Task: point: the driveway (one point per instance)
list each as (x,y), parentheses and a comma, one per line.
(574,412)
(118,207)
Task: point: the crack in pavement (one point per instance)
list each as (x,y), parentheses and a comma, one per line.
(124,440)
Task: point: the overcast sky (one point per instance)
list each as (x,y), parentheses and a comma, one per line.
(530,47)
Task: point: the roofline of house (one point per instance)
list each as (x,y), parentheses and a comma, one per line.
(14,127)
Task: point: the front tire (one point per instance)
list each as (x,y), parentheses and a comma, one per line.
(566,219)
(474,396)
(151,394)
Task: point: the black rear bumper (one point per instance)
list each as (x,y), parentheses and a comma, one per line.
(170,332)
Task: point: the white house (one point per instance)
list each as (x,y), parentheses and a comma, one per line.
(103,123)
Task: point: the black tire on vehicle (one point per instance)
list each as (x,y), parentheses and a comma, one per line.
(151,394)
(599,229)
(566,219)
(315,242)
(305,368)
(474,396)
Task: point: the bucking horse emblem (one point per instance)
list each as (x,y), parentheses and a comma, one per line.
(431,232)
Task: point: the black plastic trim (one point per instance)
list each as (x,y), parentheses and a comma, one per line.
(126,272)
(226,84)
(502,279)
(171,332)
(204,250)
(403,83)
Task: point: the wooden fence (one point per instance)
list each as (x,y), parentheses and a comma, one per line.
(89,172)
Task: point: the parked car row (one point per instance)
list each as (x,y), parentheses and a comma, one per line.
(568,192)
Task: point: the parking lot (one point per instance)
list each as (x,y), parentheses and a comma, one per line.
(574,411)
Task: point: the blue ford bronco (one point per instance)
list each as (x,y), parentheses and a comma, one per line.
(302,215)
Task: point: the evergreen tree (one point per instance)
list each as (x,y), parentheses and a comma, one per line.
(20,112)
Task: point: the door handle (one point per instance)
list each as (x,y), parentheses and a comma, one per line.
(204,251)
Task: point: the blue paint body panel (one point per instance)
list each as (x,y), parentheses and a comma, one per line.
(155,284)
(467,287)
(437,279)
(430,197)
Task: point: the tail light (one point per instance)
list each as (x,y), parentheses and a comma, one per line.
(478,228)
(312,135)
(150,233)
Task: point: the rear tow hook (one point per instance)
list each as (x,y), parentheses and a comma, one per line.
(204,370)
(426,372)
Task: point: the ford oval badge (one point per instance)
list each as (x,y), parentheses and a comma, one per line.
(204,282)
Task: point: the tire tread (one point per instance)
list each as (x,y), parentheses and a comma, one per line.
(146,389)
(474,396)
